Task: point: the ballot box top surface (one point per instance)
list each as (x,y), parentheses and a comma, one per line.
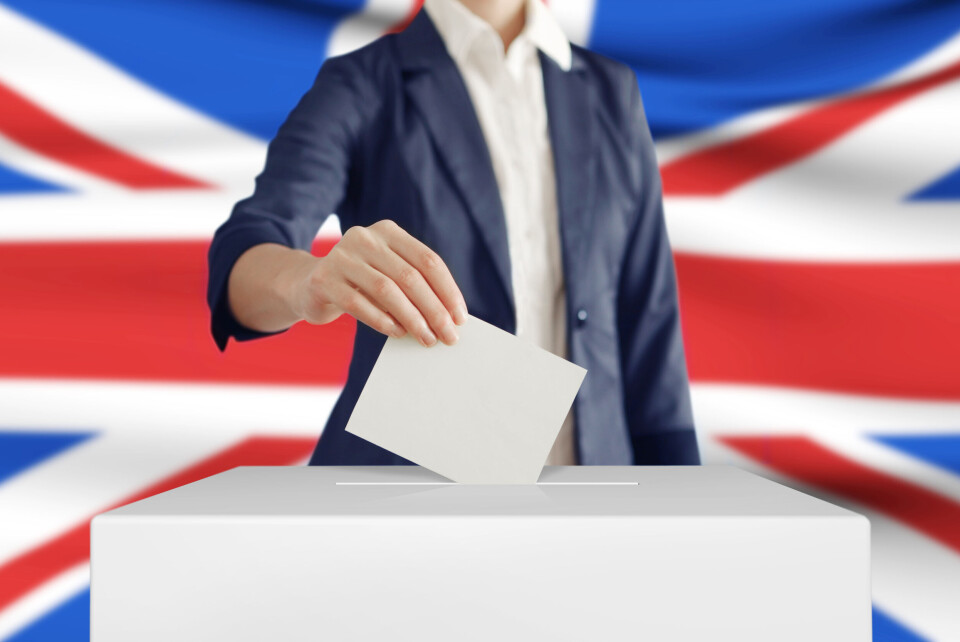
(331,491)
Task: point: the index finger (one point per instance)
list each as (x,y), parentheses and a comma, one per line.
(433,269)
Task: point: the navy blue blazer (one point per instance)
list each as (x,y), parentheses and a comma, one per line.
(389,132)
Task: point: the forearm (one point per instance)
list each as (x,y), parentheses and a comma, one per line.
(262,283)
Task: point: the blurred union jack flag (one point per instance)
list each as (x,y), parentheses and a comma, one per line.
(810,153)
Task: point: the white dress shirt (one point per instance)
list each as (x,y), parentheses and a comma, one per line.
(507,94)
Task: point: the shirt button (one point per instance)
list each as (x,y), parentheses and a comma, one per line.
(581,317)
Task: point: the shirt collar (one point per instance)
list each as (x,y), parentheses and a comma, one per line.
(459,28)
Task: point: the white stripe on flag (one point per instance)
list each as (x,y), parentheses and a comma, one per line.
(884,160)
(771,410)
(845,231)
(153,215)
(363,27)
(57,74)
(43,599)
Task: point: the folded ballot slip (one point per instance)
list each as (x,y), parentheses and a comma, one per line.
(484,411)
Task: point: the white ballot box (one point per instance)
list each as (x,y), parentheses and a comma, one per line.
(398,553)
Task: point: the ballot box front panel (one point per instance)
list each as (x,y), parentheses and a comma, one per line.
(616,554)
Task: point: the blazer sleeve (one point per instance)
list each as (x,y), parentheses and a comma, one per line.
(657,389)
(303,181)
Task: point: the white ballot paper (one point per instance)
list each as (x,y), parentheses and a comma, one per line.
(485,410)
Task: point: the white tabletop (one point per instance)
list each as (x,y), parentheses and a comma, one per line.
(329,491)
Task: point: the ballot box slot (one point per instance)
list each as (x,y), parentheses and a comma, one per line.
(599,483)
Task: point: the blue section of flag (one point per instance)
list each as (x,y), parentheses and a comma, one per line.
(243,62)
(14,182)
(937,449)
(886,629)
(701,62)
(69,622)
(20,450)
(943,189)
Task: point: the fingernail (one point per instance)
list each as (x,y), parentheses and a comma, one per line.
(427,338)
(397,330)
(449,334)
(460,314)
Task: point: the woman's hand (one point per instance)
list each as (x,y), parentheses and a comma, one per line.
(387,279)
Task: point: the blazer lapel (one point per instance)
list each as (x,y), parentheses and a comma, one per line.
(434,84)
(570,114)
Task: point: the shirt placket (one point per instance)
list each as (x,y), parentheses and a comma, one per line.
(507,107)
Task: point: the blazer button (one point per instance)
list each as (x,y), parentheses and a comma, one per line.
(581,317)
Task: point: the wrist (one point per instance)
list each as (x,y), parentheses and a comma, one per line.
(291,284)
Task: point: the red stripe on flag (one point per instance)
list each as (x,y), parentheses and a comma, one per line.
(31,126)
(136,310)
(407,19)
(802,459)
(719,169)
(28,571)
(883,329)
